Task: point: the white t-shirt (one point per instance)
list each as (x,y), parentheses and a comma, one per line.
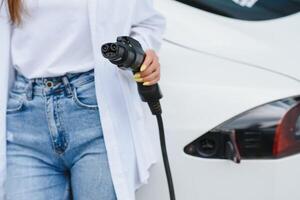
(54,39)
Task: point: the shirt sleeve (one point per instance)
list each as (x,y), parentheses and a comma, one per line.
(148,25)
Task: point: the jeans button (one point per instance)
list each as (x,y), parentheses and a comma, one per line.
(49,84)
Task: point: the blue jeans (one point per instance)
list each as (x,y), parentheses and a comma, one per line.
(55,144)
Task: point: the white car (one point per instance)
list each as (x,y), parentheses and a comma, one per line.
(231,84)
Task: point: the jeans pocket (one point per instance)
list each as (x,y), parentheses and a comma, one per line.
(15,103)
(85,95)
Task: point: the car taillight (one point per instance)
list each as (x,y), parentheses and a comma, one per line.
(268,131)
(286,141)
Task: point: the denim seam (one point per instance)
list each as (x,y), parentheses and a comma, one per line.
(62,127)
(81,104)
(20,100)
(67,190)
(58,124)
(82,82)
(49,125)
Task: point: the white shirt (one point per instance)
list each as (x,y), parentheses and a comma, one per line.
(130,130)
(55,38)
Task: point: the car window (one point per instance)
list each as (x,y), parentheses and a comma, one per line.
(248,9)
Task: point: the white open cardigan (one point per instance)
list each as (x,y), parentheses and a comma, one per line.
(127,123)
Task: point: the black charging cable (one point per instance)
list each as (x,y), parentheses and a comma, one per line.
(127,53)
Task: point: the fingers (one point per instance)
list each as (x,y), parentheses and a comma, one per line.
(152,82)
(155,75)
(150,70)
(150,56)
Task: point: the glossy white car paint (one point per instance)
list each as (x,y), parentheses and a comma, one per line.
(214,68)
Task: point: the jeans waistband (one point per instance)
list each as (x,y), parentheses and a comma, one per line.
(50,85)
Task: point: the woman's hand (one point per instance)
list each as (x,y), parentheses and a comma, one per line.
(150,70)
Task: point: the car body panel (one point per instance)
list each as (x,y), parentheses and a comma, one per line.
(200,92)
(263,44)
(208,77)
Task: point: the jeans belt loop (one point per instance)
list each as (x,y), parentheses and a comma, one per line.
(29,90)
(67,86)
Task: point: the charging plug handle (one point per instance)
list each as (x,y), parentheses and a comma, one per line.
(127,53)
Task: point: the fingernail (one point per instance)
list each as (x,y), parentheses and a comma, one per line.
(143,67)
(137,75)
(138,79)
(146,83)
